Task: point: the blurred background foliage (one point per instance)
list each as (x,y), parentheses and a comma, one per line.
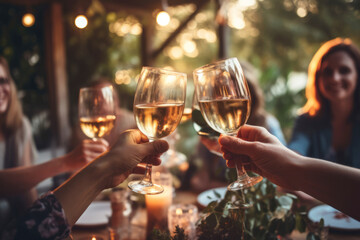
(278,37)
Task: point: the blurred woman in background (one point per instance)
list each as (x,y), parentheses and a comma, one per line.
(329,126)
(17,150)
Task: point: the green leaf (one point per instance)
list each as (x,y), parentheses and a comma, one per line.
(300,223)
(273,204)
(211,221)
(312,236)
(274,225)
(217,194)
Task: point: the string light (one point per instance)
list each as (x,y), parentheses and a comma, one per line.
(163,18)
(28,20)
(81,21)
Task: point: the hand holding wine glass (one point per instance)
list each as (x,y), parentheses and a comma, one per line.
(224,100)
(158,108)
(96,111)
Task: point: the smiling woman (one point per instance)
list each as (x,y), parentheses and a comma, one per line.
(15,136)
(329,126)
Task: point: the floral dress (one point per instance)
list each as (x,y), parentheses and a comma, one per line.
(44,220)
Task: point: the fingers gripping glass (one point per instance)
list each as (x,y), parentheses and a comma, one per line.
(96,111)
(224,100)
(158,107)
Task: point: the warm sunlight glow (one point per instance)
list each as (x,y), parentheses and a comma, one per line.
(178,211)
(163,18)
(189,46)
(136,29)
(124,26)
(176,53)
(301,12)
(123,77)
(81,21)
(28,20)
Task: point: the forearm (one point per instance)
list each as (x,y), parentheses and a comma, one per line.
(334,184)
(78,192)
(17,180)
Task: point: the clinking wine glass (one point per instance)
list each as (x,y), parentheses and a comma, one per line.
(158,107)
(96,111)
(224,101)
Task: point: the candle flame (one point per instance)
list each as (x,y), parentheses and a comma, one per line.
(178,211)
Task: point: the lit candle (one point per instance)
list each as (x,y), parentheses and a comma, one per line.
(157,205)
(92,237)
(184,216)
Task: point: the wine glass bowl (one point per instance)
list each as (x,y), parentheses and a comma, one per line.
(96,111)
(225,103)
(158,107)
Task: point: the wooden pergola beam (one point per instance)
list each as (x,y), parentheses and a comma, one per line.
(55,59)
(178,30)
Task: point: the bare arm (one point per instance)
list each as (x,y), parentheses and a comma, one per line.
(17,180)
(262,153)
(107,171)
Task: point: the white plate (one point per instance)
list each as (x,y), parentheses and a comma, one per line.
(208,196)
(333,218)
(96,214)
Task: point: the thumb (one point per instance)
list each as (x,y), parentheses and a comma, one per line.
(154,148)
(236,145)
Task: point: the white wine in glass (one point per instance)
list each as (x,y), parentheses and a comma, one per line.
(96,111)
(224,100)
(158,107)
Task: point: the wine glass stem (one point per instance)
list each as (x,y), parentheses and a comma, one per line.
(240,170)
(148,171)
(147,176)
(241,173)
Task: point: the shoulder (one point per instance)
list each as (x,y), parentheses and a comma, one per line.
(307,122)
(26,127)
(272,121)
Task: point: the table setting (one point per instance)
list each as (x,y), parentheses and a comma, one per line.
(149,207)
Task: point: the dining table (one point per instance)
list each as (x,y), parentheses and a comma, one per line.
(139,220)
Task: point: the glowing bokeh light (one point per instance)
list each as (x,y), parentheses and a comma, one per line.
(176,52)
(163,18)
(136,29)
(81,21)
(301,12)
(189,46)
(28,20)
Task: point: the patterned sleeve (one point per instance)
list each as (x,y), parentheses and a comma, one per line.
(44,220)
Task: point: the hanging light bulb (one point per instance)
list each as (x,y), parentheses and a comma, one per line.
(163,18)
(81,21)
(28,19)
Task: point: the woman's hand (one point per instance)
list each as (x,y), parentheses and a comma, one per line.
(131,148)
(260,152)
(212,145)
(84,153)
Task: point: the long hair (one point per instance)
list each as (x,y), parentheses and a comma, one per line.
(12,118)
(258,114)
(317,104)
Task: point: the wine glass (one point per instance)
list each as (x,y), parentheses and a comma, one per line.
(224,100)
(158,107)
(96,111)
(199,123)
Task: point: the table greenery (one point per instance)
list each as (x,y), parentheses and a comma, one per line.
(271,216)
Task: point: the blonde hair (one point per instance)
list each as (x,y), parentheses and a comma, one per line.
(12,118)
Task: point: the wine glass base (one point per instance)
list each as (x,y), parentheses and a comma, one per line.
(143,187)
(244,183)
